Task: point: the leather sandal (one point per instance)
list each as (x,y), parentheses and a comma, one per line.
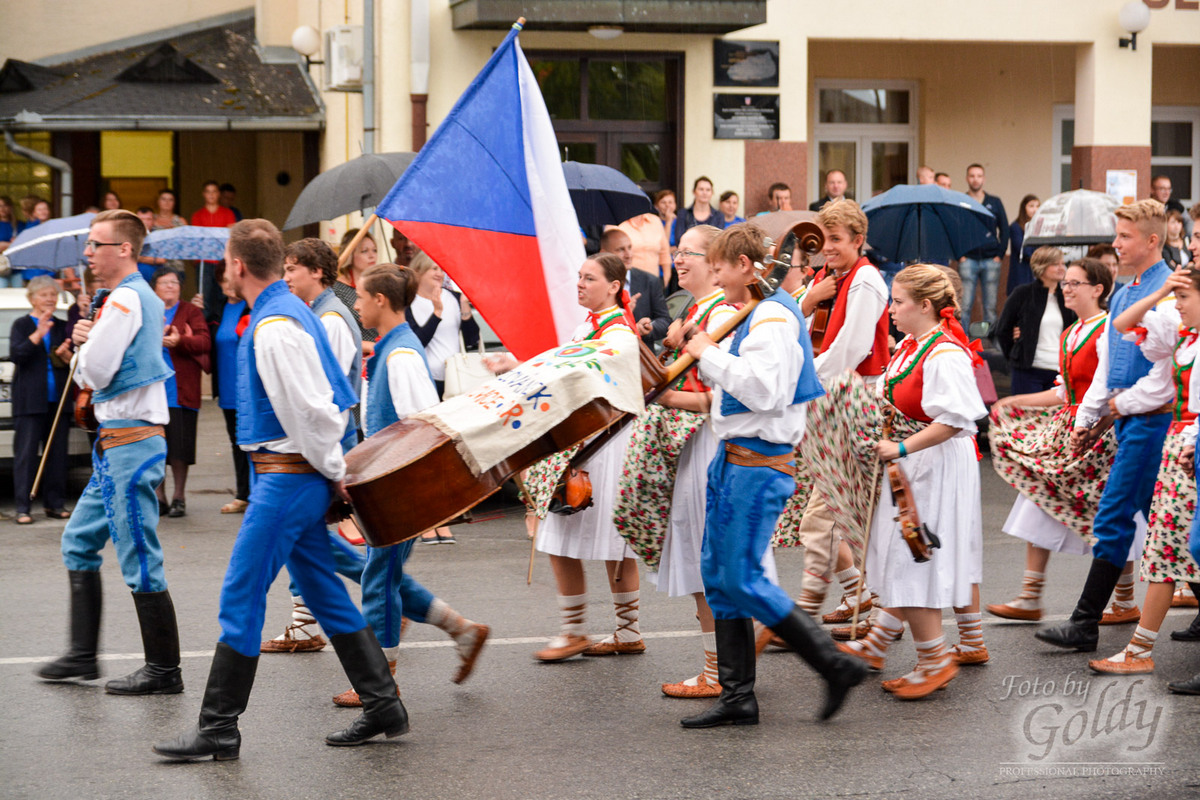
(873,662)
(1006,611)
(24,519)
(969,657)
(933,681)
(1120,616)
(563,647)
(702,688)
(1130,666)
(58,513)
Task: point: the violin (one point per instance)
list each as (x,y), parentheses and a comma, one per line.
(85,411)
(820,319)
(410,477)
(916,534)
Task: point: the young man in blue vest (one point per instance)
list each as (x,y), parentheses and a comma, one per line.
(1141,228)
(120,357)
(293,400)
(762,377)
(399,384)
(309,269)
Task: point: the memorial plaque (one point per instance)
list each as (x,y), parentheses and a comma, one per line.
(745,116)
(745,63)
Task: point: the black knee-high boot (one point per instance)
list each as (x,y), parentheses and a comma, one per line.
(1192,632)
(160,639)
(367,668)
(230,680)
(80,658)
(736,704)
(1082,631)
(842,672)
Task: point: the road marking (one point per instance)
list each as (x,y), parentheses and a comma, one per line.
(527,640)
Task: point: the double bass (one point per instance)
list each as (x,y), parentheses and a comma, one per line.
(410,477)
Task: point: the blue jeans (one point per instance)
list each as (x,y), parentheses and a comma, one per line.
(974,271)
(119,504)
(285,524)
(15,280)
(743,505)
(389,592)
(1130,486)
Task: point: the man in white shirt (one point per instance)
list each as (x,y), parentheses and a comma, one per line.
(293,402)
(120,358)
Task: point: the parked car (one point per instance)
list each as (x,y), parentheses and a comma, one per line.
(13,304)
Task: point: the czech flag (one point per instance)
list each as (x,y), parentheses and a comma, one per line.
(486,199)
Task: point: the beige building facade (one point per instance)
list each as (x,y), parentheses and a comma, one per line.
(1042,94)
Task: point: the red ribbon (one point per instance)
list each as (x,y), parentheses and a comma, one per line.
(1141,333)
(956,332)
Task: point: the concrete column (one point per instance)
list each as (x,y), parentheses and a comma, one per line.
(1112,112)
(786,159)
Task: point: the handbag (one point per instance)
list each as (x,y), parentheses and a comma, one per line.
(984,382)
(465,371)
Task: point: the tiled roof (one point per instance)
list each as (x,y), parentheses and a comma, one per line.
(208,79)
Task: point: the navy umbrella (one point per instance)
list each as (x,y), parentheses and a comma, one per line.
(602,195)
(926,223)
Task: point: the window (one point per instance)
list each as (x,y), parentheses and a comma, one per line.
(20,177)
(1174,148)
(617,109)
(868,130)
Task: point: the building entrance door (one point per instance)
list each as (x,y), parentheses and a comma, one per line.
(868,131)
(617,109)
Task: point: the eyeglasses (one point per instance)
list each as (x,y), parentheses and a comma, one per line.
(679,253)
(1075,284)
(97,245)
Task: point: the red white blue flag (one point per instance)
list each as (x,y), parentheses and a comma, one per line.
(486,199)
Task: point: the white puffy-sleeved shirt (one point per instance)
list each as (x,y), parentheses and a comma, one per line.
(290,369)
(1095,402)
(866,300)
(343,343)
(101,355)
(949,394)
(409,383)
(762,376)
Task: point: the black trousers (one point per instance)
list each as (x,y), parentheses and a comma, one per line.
(241,464)
(29,432)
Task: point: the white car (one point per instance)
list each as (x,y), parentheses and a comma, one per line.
(14,304)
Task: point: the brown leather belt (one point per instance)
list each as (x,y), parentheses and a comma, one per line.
(115,437)
(281,462)
(1168,408)
(745,457)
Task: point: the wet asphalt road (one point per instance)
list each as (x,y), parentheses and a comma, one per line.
(588,728)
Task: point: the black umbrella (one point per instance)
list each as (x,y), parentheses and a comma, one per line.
(353,186)
(602,195)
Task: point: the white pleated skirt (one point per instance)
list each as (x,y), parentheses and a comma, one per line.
(1027,521)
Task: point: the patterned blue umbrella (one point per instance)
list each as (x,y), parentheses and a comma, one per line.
(53,245)
(188,242)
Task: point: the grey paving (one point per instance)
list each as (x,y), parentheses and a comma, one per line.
(583,729)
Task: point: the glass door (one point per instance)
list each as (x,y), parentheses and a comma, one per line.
(866,129)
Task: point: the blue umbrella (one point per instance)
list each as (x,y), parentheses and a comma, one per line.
(53,245)
(926,223)
(187,242)
(602,195)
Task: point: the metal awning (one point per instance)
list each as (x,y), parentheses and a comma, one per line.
(633,16)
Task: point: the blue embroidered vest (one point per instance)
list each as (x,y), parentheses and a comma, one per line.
(808,387)
(1125,360)
(256,418)
(381,410)
(143,362)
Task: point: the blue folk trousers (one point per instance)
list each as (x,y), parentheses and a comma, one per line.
(1130,484)
(743,505)
(119,504)
(388,592)
(285,524)
(347,561)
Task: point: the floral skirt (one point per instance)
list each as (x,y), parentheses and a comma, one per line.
(647,479)
(838,457)
(1166,557)
(1030,452)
